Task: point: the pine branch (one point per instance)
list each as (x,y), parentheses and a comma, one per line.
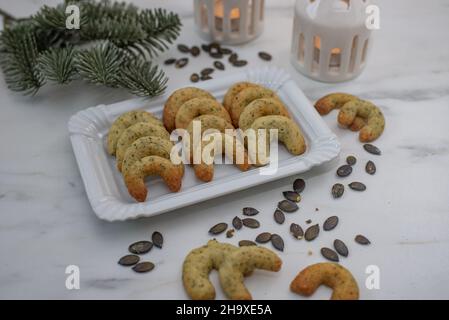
(58,64)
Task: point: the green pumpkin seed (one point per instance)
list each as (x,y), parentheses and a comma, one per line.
(143,267)
(351,160)
(129,260)
(218,228)
(357,186)
(337,190)
(157,239)
(140,247)
(362,240)
(287,206)
(330,223)
(370,167)
(251,223)
(329,254)
(248,211)
(277,242)
(312,232)
(372,149)
(296,231)
(341,247)
(292,196)
(264,237)
(344,170)
(246,243)
(279,216)
(237,223)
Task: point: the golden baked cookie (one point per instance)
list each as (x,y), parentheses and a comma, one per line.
(259,108)
(333,275)
(245,97)
(220,143)
(232,263)
(135,132)
(126,120)
(199,106)
(333,101)
(233,91)
(153,165)
(374,121)
(176,100)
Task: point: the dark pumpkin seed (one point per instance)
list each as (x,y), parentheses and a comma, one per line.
(140,247)
(143,267)
(279,216)
(308,221)
(206,77)
(287,206)
(205,47)
(237,223)
(169,61)
(341,247)
(219,65)
(330,223)
(206,71)
(233,58)
(129,260)
(329,254)
(195,51)
(230,233)
(215,46)
(183,48)
(370,167)
(299,185)
(372,149)
(264,237)
(351,160)
(248,211)
(312,232)
(265,56)
(225,51)
(362,240)
(344,170)
(296,231)
(240,63)
(337,190)
(216,55)
(157,239)
(357,186)
(218,228)
(181,63)
(277,242)
(195,77)
(246,243)
(292,196)
(251,223)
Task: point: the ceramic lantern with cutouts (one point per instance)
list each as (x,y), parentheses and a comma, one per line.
(330,39)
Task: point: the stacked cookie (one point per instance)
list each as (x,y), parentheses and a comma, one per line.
(142,147)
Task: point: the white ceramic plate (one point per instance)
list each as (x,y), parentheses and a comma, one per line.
(104,184)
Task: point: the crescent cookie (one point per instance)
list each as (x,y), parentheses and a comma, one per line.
(232,263)
(288,132)
(330,274)
(126,120)
(199,106)
(223,144)
(259,108)
(144,147)
(152,165)
(233,91)
(333,101)
(374,119)
(245,97)
(176,100)
(135,132)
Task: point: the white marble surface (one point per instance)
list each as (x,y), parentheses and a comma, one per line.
(47,223)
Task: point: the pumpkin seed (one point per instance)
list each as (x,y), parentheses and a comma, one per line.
(279,216)
(233,58)
(230,233)
(337,190)
(206,77)
(205,47)
(194,77)
(362,240)
(312,232)
(216,55)
(251,223)
(225,50)
(351,160)
(143,267)
(292,196)
(157,239)
(246,243)
(129,260)
(344,170)
(330,223)
(219,65)
(215,46)
(206,71)
(264,237)
(357,186)
(372,149)
(169,61)
(265,56)
(341,247)
(248,211)
(183,48)
(308,221)
(237,223)
(296,231)
(370,167)
(277,242)
(299,185)
(195,51)
(329,254)
(218,228)
(287,206)
(140,247)
(240,63)
(181,63)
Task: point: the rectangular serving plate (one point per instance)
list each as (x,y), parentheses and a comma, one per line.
(104,185)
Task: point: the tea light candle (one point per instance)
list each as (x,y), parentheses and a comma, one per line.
(219,16)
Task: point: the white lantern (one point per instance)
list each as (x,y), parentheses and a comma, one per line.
(229,21)
(330,39)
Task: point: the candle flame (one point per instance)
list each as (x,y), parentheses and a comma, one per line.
(318,46)
(219,10)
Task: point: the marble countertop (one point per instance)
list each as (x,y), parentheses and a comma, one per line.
(47,224)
